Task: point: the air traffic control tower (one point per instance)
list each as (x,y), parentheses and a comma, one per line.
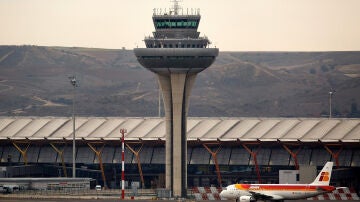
(176,54)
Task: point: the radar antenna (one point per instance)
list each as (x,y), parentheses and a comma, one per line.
(176,6)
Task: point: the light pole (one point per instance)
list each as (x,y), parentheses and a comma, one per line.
(331,93)
(74,83)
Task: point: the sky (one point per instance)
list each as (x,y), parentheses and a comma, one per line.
(231,25)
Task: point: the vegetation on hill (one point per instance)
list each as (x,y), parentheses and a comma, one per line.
(34,82)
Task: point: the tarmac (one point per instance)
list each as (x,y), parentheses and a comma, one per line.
(126,200)
(9,198)
(109,197)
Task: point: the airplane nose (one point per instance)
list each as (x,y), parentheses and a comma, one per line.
(223,194)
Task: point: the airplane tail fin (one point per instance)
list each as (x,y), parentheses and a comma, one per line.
(324,176)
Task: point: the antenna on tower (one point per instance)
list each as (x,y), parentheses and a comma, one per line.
(176,6)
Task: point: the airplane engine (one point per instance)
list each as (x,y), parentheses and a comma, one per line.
(247,199)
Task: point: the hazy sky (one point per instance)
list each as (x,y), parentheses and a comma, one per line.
(232,25)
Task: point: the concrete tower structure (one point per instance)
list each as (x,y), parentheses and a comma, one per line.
(176,53)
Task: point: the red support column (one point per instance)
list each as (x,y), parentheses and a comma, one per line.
(254,156)
(98,154)
(214,156)
(293,155)
(335,155)
(137,155)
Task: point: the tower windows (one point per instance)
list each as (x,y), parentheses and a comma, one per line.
(176,23)
(191,43)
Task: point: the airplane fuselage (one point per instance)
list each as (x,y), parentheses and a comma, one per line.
(276,191)
(281,192)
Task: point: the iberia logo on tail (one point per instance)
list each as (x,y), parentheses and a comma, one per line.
(324,177)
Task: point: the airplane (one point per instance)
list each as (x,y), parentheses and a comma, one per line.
(281,192)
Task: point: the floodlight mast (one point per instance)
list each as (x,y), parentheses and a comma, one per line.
(74,83)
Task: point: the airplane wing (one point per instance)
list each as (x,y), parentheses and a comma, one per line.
(262,196)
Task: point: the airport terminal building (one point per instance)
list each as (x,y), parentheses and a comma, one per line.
(220,150)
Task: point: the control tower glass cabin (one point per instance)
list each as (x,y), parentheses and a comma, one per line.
(176,53)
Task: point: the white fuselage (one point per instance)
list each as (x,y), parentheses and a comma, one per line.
(252,192)
(274,191)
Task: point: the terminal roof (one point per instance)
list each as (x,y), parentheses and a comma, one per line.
(203,129)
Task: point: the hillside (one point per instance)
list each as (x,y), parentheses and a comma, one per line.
(34,82)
